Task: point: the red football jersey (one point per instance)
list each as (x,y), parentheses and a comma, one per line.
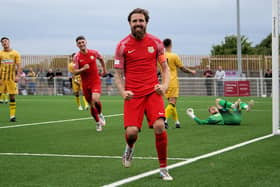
(139,60)
(90,76)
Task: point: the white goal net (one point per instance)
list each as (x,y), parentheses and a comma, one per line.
(275,66)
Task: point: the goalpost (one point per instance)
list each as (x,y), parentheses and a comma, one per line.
(275,67)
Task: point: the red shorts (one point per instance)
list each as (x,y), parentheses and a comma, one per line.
(87,91)
(151,105)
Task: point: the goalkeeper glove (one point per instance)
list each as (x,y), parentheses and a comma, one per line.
(190,113)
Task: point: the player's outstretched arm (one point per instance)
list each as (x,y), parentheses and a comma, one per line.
(188,70)
(190,113)
(211,120)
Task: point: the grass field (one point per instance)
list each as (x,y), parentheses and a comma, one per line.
(63,149)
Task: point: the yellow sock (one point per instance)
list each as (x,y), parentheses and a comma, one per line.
(85,102)
(12,109)
(5,97)
(1,97)
(168,111)
(78,100)
(175,114)
(172,110)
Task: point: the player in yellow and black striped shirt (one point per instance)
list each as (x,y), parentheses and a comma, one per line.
(10,70)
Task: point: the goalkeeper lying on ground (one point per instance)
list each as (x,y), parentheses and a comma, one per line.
(224,113)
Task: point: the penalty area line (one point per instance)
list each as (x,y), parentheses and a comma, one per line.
(82,156)
(179,164)
(54,122)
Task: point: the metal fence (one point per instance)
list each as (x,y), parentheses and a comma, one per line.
(252,65)
(200,86)
(188,86)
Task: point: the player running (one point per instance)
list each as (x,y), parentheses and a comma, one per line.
(224,113)
(136,61)
(85,65)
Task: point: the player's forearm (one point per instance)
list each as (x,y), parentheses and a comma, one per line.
(18,72)
(77,71)
(165,76)
(199,121)
(186,70)
(119,81)
(103,64)
(19,69)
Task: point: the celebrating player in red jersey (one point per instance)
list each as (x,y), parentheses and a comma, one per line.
(85,65)
(136,59)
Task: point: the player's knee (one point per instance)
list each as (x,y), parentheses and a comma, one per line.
(218,103)
(132,132)
(159,126)
(95,99)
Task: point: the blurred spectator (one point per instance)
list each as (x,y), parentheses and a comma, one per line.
(41,73)
(220,76)
(268,81)
(59,82)
(109,82)
(50,77)
(41,81)
(22,84)
(31,89)
(208,74)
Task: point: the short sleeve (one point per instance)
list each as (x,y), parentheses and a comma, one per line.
(119,56)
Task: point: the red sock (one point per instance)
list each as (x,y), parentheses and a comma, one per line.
(130,140)
(98,106)
(94,114)
(161,145)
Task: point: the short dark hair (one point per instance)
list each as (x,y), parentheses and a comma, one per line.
(4,38)
(167,42)
(139,11)
(81,37)
(73,54)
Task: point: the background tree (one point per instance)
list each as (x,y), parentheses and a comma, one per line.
(229,46)
(264,47)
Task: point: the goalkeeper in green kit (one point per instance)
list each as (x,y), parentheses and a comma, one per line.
(224,113)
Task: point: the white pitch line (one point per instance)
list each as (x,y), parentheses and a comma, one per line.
(152,172)
(255,110)
(53,122)
(82,156)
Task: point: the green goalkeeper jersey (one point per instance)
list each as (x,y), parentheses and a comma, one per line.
(215,119)
(231,117)
(228,115)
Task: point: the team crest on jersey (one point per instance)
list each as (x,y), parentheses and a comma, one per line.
(91,57)
(151,49)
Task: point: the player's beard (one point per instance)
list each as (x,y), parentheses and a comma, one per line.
(138,33)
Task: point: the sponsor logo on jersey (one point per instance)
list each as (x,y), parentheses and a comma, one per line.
(91,57)
(151,49)
(130,51)
(7,61)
